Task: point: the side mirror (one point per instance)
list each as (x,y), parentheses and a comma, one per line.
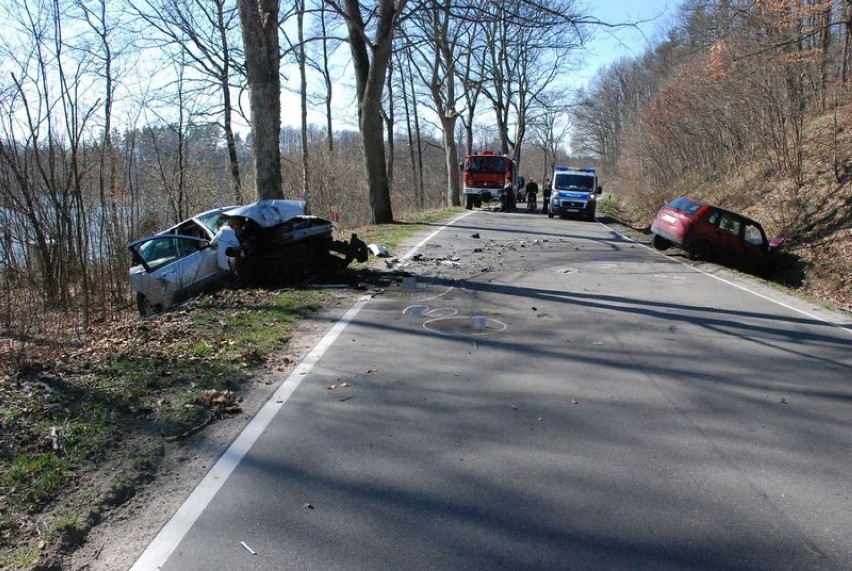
(599,190)
(461,166)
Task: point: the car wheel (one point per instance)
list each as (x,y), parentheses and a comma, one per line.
(549,214)
(468,202)
(477,202)
(144,306)
(701,251)
(660,243)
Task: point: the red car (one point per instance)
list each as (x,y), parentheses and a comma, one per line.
(710,233)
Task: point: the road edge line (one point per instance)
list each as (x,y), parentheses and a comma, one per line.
(841,326)
(172,533)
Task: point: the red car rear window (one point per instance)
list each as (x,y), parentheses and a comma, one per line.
(684,204)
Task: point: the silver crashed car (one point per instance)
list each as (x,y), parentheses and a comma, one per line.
(257,243)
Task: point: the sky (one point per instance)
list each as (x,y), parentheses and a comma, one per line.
(608,45)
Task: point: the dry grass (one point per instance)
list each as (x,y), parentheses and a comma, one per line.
(815,218)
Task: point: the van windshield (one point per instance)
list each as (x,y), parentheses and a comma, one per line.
(566,181)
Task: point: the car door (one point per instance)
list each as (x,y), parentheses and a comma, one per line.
(727,241)
(174,267)
(754,244)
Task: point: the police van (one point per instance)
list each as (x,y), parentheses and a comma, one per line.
(574,191)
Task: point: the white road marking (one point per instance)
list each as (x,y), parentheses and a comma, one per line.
(840,326)
(159,550)
(170,536)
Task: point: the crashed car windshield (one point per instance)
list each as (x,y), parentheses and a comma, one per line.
(256,243)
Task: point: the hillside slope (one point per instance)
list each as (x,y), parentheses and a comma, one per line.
(814,215)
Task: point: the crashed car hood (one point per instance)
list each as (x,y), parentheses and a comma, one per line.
(268,213)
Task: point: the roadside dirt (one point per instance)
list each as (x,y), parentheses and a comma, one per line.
(126,529)
(134,512)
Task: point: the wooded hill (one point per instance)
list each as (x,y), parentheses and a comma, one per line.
(746,105)
(120,118)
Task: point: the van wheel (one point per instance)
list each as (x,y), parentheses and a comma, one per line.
(700,251)
(660,243)
(468,202)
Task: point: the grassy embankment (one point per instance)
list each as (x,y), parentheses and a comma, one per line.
(82,428)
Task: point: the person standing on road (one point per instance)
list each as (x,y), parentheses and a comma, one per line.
(532,191)
(507,197)
(545,196)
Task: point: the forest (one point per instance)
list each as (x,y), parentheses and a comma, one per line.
(121,117)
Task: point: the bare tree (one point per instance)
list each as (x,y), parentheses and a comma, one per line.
(435,35)
(259,19)
(371,58)
(202,31)
(550,130)
(523,48)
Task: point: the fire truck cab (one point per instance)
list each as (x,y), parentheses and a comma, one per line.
(485,176)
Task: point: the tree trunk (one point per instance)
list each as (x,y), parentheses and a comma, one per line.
(228,109)
(370,82)
(303,84)
(451,156)
(259,19)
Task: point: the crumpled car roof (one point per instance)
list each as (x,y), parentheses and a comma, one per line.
(268,213)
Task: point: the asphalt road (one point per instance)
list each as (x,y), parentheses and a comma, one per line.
(547,394)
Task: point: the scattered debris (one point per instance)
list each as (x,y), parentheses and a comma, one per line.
(308,506)
(224,401)
(378,251)
(475,235)
(249,549)
(57,438)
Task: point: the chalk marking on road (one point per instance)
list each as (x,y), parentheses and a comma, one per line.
(164,544)
(170,536)
(840,326)
(429,326)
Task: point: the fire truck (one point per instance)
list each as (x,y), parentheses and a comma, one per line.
(485,175)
